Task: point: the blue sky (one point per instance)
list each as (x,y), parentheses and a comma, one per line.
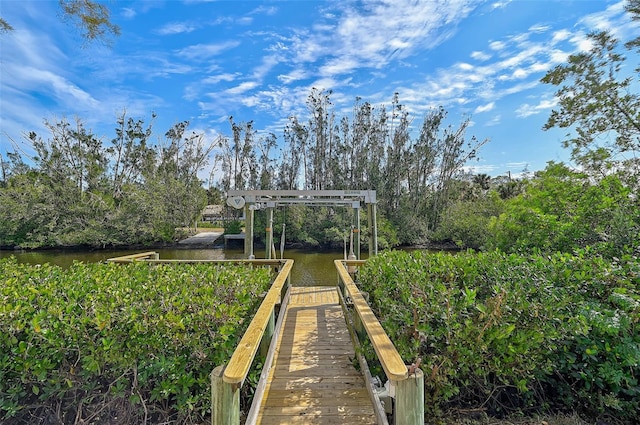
(204,61)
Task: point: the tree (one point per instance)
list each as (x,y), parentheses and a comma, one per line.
(266,168)
(4,26)
(131,156)
(244,166)
(561,210)
(599,101)
(92,18)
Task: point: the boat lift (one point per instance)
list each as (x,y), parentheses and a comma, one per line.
(253,200)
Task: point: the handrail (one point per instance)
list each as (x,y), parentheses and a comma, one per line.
(152,257)
(393,365)
(238,367)
(133,257)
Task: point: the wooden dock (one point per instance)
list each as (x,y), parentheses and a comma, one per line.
(313,378)
(309,374)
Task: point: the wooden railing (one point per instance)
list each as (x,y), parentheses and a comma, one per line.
(151,255)
(408,382)
(227,381)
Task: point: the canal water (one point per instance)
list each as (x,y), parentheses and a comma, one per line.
(310,267)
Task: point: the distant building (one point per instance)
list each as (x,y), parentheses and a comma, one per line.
(212,213)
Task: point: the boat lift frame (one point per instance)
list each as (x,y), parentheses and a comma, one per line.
(253,200)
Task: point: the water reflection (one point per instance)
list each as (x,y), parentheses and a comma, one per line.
(310,268)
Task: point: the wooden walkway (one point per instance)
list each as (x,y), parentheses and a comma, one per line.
(313,379)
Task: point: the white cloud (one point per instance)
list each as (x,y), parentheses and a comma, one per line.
(465,66)
(295,75)
(264,10)
(560,35)
(481,56)
(215,79)
(500,4)
(268,63)
(205,51)
(128,13)
(496,120)
(373,34)
(539,28)
(242,88)
(338,66)
(581,42)
(497,45)
(526,110)
(176,28)
(485,108)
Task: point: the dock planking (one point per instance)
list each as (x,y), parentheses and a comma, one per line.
(313,379)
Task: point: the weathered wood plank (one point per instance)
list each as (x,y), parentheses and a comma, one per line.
(317,420)
(313,379)
(338,409)
(313,383)
(311,394)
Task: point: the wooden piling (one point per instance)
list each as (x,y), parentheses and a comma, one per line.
(409,408)
(225,400)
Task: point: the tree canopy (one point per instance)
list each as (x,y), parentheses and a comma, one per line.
(91,18)
(599,104)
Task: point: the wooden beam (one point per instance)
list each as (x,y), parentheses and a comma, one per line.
(390,359)
(240,363)
(133,257)
(268,363)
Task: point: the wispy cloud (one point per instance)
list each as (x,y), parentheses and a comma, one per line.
(242,88)
(485,108)
(481,56)
(205,51)
(500,4)
(526,110)
(176,28)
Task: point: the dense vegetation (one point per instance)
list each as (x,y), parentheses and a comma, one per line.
(503,332)
(107,343)
(73,189)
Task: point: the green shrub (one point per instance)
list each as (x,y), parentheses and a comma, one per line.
(134,340)
(499,331)
(466,223)
(233,227)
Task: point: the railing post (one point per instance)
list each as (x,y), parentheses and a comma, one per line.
(225,401)
(409,407)
(268,334)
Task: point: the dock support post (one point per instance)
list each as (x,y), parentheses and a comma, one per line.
(409,407)
(356,232)
(248,231)
(225,401)
(373,229)
(269,238)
